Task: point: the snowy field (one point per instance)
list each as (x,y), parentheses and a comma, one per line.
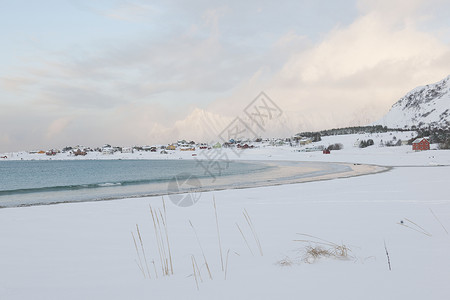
(86,250)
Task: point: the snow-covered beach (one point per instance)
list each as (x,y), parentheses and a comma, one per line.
(86,250)
(225,150)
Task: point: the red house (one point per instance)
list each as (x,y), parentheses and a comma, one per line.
(421,144)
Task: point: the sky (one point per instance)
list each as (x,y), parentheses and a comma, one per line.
(78,72)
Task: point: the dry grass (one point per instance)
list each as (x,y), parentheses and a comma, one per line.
(201,248)
(414,226)
(245,240)
(167,234)
(226,265)
(143,250)
(162,258)
(341,251)
(252,228)
(318,248)
(218,232)
(194,263)
(162,242)
(139,264)
(286,262)
(313,253)
(387,255)
(439,221)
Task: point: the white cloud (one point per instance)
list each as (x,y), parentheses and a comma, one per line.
(164,86)
(370,63)
(131,12)
(57,127)
(5,139)
(15,84)
(355,73)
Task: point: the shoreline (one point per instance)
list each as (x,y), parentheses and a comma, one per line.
(279,173)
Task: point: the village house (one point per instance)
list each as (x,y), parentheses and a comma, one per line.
(305,141)
(51,152)
(245,146)
(187,147)
(421,144)
(127,150)
(79,152)
(107,150)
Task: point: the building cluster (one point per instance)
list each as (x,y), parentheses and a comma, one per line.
(302,142)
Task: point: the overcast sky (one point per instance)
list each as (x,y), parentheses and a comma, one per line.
(148,72)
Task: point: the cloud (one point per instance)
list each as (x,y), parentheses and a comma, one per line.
(131,12)
(394,11)
(355,73)
(209,61)
(121,10)
(15,84)
(361,47)
(370,63)
(57,127)
(5,140)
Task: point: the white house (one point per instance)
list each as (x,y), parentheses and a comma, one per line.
(127,150)
(107,150)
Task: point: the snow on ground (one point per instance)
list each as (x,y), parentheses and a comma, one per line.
(386,156)
(86,251)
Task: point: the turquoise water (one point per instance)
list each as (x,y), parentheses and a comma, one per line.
(25,183)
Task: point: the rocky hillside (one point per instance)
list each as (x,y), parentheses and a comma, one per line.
(422,107)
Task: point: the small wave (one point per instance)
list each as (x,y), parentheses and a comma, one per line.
(109,184)
(73,187)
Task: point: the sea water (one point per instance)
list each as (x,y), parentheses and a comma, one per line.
(25,183)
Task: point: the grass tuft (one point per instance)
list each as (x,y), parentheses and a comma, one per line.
(285,262)
(318,248)
(162,240)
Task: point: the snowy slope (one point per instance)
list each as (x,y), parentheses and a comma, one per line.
(86,251)
(421,107)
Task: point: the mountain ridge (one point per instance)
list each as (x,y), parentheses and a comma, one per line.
(423,106)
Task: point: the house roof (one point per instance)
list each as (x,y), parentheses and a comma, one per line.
(419,140)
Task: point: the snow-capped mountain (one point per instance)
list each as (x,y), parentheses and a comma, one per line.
(201,125)
(422,107)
